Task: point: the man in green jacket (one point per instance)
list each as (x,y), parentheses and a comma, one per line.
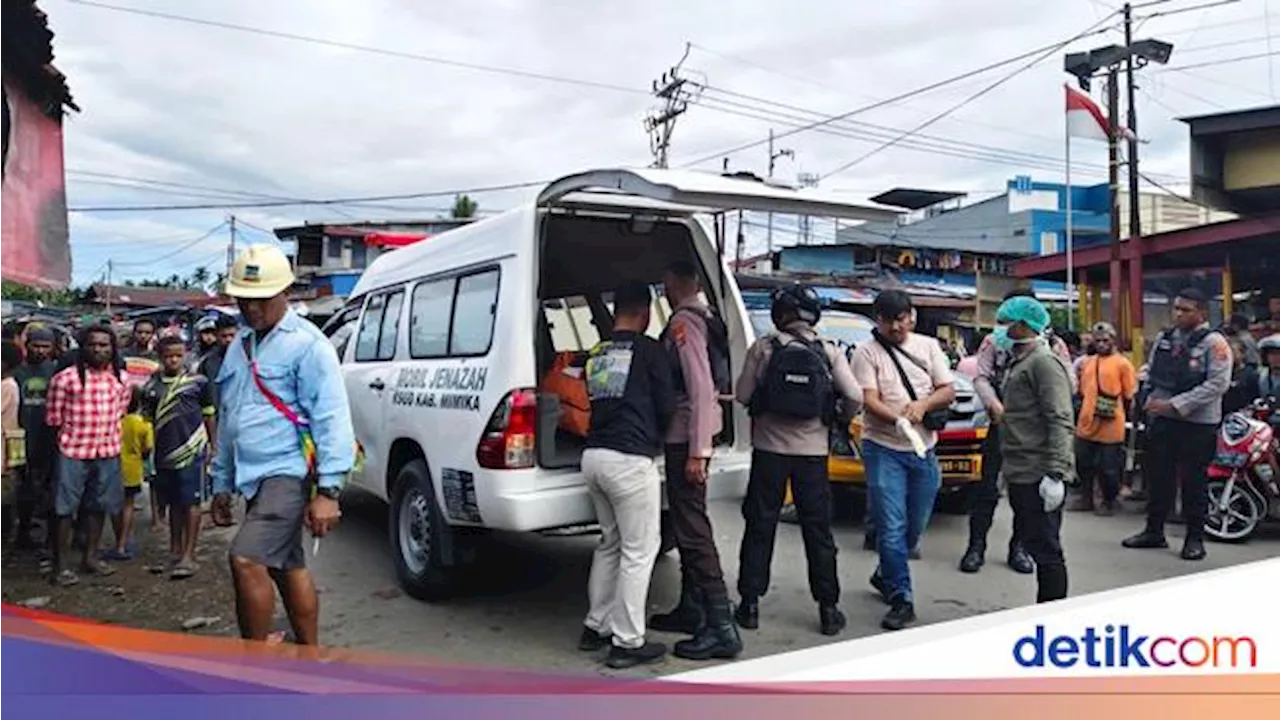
(1037,436)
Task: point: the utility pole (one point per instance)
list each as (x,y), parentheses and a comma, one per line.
(773,158)
(1135,217)
(806,221)
(1113,178)
(660,124)
(109,288)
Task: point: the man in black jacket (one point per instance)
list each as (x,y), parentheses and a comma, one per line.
(630,385)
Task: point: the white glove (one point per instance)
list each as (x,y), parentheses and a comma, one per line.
(1053,492)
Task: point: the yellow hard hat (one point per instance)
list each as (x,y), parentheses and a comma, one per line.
(262,271)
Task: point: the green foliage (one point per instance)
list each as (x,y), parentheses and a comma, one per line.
(463,207)
(51,297)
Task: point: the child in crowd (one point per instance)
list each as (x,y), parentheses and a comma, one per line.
(9,401)
(137,442)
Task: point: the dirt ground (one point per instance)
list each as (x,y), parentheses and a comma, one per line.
(134,595)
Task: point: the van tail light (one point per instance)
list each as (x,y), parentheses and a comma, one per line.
(509,441)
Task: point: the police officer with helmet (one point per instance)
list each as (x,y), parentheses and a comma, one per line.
(1188,373)
(790,380)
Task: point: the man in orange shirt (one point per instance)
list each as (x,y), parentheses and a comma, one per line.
(1108,383)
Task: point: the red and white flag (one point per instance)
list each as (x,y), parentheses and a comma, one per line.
(1085,119)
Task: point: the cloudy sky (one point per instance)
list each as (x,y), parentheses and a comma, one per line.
(176,112)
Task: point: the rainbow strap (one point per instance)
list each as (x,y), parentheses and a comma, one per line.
(305,437)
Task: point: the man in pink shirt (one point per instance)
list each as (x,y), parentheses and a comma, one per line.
(704,600)
(907,391)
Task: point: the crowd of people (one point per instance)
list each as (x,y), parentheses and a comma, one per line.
(253,408)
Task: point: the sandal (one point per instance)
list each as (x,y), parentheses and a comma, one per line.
(66,578)
(116,555)
(99,568)
(183,570)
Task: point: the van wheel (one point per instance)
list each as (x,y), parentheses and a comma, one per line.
(668,534)
(415,527)
(957,500)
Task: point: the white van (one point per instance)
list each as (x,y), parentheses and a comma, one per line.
(444,344)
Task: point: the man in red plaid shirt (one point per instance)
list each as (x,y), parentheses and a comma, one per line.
(84,407)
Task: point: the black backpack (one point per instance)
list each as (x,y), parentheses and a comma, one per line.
(797,382)
(717,353)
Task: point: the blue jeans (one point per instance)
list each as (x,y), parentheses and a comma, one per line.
(902,488)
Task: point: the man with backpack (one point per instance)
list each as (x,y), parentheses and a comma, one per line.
(696,339)
(907,394)
(790,380)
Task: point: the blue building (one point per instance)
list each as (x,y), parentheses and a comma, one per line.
(1029,218)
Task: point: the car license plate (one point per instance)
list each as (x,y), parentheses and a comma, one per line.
(956,467)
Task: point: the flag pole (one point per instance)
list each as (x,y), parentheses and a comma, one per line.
(1071,285)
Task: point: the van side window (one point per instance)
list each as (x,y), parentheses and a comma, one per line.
(390,327)
(429,314)
(473,313)
(376,339)
(370,327)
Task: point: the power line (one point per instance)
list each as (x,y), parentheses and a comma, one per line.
(364,48)
(969,99)
(166,256)
(332,201)
(843,91)
(871,132)
(1225,61)
(892,100)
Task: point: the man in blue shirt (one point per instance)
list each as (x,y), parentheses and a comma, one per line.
(285,443)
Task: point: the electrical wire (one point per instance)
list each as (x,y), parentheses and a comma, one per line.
(332,201)
(871,132)
(1224,61)
(845,91)
(514,72)
(166,256)
(967,100)
(892,100)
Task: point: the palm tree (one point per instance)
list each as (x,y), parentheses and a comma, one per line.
(200,277)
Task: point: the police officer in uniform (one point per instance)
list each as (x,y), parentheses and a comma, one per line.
(790,441)
(992,366)
(1189,371)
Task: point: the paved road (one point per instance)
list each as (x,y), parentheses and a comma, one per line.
(525,609)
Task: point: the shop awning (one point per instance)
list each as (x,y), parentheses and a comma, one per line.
(393,239)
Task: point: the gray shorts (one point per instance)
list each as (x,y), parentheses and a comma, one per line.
(271,534)
(98,483)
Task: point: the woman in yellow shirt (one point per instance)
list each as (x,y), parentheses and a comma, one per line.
(138,439)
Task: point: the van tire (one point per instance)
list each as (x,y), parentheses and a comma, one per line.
(415,525)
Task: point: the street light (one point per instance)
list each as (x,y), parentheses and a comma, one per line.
(1084,65)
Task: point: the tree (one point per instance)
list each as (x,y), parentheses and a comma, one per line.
(200,278)
(463,207)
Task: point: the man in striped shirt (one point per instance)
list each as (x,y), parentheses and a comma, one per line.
(84,407)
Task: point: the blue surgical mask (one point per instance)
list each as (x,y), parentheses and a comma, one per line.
(1005,343)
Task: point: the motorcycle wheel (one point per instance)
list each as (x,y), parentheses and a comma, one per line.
(1233,518)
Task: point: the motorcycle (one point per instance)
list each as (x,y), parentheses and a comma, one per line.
(1243,477)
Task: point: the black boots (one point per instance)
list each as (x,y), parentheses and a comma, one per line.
(975,557)
(1193,548)
(718,638)
(748,613)
(1020,560)
(688,617)
(1148,539)
(620,658)
(830,619)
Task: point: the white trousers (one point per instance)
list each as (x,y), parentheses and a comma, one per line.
(627,494)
